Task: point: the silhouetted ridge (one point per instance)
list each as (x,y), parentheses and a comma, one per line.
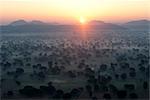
(18,23)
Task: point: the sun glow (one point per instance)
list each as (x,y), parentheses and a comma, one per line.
(82,20)
(68,11)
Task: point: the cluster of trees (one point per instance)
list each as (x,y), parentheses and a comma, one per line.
(108,91)
(78,54)
(49,91)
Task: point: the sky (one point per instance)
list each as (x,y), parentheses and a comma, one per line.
(72,11)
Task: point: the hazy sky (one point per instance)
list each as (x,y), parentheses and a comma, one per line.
(73,10)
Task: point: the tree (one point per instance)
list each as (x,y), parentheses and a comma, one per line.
(109,78)
(18,83)
(59,94)
(44,90)
(6,65)
(89,72)
(103,80)
(55,70)
(89,90)
(96,87)
(125,65)
(94,98)
(132,74)
(122,94)
(103,67)
(147,71)
(107,96)
(105,88)
(129,86)
(145,85)
(10,93)
(113,66)
(116,76)
(92,80)
(50,64)
(71,74)
(112,88)
(19,71)
(51,89)
(132,69)
(41,75)
(75,92)
(34,66)
(133,96)
(43,69)
(142,69)
(30,91)
(67,96)
(123,76)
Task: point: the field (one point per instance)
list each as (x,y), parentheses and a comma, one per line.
(71,61)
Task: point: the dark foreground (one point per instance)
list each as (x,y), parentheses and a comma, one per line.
(46,67)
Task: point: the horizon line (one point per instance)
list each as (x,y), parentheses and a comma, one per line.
(60,22)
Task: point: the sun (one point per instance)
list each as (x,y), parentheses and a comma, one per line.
(82,20)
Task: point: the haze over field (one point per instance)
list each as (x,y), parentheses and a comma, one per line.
(22,26)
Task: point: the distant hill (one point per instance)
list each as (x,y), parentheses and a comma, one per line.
(96,22)
(36,26)
(138,25)
(18,23)
(100,25)
(23,22)
(37,22)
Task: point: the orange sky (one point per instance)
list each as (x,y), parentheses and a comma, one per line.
(73,10)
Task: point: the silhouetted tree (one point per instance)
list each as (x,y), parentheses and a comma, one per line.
(75,92)
(89,72)
(89,90)
(18,83)
(132,74)
(112,88)
(41,75)
(71,74)
(129,86)
(133,96)
(10,93)
(43,69)
(142,69)
(123,76)
(122,94)
(103,80)
(19,71)
(92,79)
(6,65)
(44,90)
(116,76)
(67,96)
(50,64)
(145,85)
(103,67)
(55,70)
(51,89)
(107,96)
(30,91)
(59,94)
(132,69)
(94,98)
(124,65)
(96,87)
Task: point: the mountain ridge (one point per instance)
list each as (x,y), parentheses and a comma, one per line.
(23,26)
(138,25)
